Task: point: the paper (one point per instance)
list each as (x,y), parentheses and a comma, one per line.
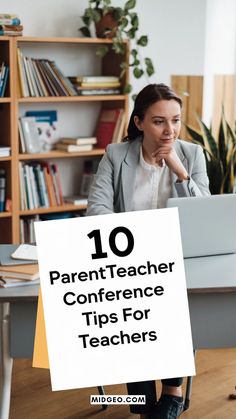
(111,286)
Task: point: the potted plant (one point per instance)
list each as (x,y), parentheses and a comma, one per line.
(118,23)
(220,155)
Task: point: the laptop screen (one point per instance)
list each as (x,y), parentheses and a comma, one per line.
(208,224)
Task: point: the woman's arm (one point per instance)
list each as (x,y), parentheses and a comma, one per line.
(198,182)
(101,195)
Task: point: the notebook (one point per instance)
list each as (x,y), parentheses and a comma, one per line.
(27,272)
(6,251)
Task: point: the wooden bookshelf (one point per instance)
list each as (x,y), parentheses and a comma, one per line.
(61,208)
(10,107)
(61,154)
(5,214)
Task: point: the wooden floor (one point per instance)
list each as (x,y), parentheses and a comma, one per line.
(32,397)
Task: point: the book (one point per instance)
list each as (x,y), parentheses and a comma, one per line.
(6,251)
(24,90)
(106,125)
(2,189)
(94,79)
(31,134)
(25,251)
(3,79)
(27,271)
(101,84)
(87,177)
(15,28)
(76,200)
(78,140)
(5,151)
(119,128)
(14,282)
(47,126)
(10,33)
(94,92)
(71,148)
(10,21)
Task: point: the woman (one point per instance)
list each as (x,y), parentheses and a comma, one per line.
(141,173)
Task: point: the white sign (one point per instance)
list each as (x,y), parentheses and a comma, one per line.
(114,297)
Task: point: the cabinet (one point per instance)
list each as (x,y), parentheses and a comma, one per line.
(75,56)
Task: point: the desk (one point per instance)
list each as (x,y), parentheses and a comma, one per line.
(212,304)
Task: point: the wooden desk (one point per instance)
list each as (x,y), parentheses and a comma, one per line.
(211,283)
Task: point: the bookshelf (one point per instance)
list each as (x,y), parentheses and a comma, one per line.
(12,106)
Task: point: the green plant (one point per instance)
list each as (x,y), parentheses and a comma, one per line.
(125,27)
(220,155)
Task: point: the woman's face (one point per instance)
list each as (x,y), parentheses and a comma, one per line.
(161,124)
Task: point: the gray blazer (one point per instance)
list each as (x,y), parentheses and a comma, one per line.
(113,185)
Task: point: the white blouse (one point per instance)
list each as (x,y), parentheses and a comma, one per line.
(152,186)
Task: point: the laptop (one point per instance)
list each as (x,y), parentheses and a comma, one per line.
(208,224)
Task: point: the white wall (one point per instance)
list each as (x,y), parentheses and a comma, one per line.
(176,29)
(195,37)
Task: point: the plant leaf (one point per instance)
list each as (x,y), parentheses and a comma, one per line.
(85,31)
(127,89)
(130,4)
(149,66)
(138,72)
(102,51)
(196,135)
(135,21)
(143,41)
(209,140)
(119,14)
(222,145)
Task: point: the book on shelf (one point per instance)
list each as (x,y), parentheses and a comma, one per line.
(47,125)
(38,131)
(4,74)
(2,189)
(14,282)
(100,84)
(95,92)
(42,77)
(94,79)
(73,148)
(86,178)
(78,140)
(30,135)
(76,200)
(5,151)
(106,126)
(27,232)
(14,28)
(27,272)
(10,32)
(118,133)
(40,185)
(10,20)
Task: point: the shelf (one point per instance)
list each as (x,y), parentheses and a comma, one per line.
(80,51)
(5,214)
(5,100)
(61,208)
(61,154)
(8,158)
(60,99)
(64,40)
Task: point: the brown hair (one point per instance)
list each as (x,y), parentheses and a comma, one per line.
(149,95)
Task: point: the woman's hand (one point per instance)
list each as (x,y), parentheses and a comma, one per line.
(168,154)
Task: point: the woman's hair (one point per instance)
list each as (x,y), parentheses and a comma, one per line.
(149,95)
